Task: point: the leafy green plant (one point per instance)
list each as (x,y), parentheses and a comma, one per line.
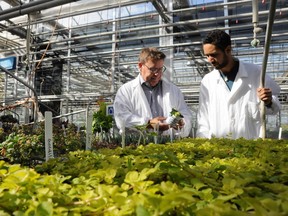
(101,122)
(8,122)
(192,177)
(24,149)
(3,135)
(175,113)
(174,117)
(26,145)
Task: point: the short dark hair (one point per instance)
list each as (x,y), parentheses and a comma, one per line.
(218,38)
(151,53)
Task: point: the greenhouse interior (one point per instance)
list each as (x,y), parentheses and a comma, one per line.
(65,56)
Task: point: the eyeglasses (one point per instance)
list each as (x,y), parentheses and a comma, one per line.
(156,70)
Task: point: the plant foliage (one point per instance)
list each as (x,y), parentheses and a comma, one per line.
(192,177)
(26,146)
(175,113)
(101,122)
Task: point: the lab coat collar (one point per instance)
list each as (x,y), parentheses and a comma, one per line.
(242,72)
(238,83)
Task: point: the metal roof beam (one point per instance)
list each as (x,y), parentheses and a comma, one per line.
(31,7)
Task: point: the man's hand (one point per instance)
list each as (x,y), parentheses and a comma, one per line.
(265,95)
(158,121)
(180,124)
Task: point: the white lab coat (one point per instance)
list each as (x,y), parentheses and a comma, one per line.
(131,106)
(236,113)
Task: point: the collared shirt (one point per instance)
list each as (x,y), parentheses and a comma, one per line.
(154,96)
(229,78)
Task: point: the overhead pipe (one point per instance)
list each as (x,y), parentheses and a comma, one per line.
(105,7)
(31,7)
(161,9)
(132,30)
(63,29)
(16,31)
(186,22)
(132,39)
(134,49)
(42,20)
(20,7)
(126,30)
(141,28)
(129,50)
(111,6)
(127,18)
(157,26)
(154,27)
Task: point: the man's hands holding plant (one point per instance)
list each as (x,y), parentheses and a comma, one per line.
(158,122)
(175,120)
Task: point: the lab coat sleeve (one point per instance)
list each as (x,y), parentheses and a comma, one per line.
(203,129)
(125,113)
(174,98)
(276,106)
(187,114)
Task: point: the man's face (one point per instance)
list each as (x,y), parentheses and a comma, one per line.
(151,71)
(216,56)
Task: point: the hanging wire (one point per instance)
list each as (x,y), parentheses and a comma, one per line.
(236,13)
(49,42)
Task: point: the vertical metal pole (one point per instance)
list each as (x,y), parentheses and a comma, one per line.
(265,58)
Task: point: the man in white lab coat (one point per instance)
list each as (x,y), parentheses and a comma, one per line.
(148,99)
(229,100)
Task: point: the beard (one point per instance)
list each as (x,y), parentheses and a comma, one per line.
(223,64)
